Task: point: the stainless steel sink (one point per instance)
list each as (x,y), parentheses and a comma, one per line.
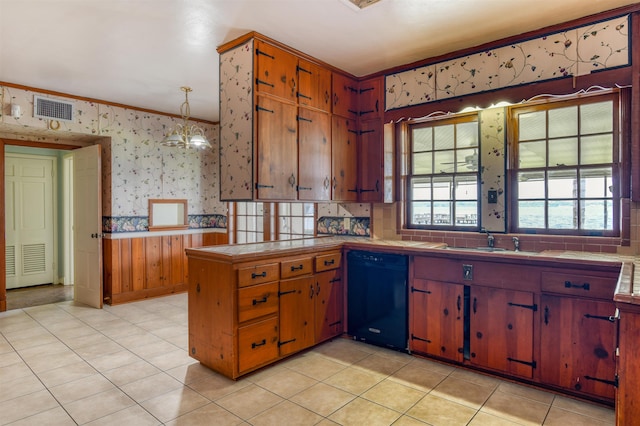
(485,249)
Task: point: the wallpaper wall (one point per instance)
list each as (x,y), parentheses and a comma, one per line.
(575,52)
(135,166)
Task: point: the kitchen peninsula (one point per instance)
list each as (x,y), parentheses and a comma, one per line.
(547,319)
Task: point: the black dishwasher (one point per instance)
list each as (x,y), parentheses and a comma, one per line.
(377,298)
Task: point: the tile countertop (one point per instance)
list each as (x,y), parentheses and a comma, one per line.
(627,291)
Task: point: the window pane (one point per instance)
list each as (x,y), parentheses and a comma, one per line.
(563,122)
(596,183)
(563,152)
(531,214)
(442,213)
(563,214)
(444,137)
(597,149)
(467,160)
(597,214)
(296,225)
(421,213)
(283,208)
(422,140)
(442,188)
(296,209)
(531,185)
(309,209)
(467,135)
(421,189)
(422,163)
(308,226)
(466,188)
(242,208)
(596,118)
(445,161)
(532,125)
(562,184)
(466,213)
(532,154)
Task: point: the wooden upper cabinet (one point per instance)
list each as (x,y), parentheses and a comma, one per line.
(370,99)
(344,154)
(314,155)
(314,86)
(371,161)
(277,131)
(276,71)
(345,96)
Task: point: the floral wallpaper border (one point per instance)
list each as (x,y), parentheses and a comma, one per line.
(352,226)
(122,224)
(573,52)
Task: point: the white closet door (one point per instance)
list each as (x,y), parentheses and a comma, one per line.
(29,219)
(87,226)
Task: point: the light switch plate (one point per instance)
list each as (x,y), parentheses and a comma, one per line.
(467,272)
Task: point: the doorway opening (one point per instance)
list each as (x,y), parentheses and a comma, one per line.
(38,225)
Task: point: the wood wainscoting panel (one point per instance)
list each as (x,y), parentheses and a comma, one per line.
(142,267)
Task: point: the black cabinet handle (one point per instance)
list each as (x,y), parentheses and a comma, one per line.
(263,53)
(475,305)
(297,268)
(311,292)
(260,343)
(317,288)
(546,315)
(329,262)
(258,301)
(569,284)
(261,275)
(458,303)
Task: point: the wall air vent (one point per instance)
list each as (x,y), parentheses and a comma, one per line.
(359,4)
(33,259)
(10,260)
(52,109)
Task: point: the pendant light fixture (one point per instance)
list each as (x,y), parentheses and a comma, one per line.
(185,135)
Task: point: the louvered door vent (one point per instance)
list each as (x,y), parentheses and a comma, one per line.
(10,260)
(52,109)
(33,259)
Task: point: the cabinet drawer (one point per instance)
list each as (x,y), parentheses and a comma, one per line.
(578,285)
(257,344)
(294,268)
(327,262)
(258,274)
(257,301)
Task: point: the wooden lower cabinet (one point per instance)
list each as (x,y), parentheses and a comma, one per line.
(329,305)
(257,344)
(577,345)
(297,315)
(501,330)
(436,316)
(247,314)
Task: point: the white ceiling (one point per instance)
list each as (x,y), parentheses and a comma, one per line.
(139,52)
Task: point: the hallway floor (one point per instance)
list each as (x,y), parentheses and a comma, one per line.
(26,297)
(64,364)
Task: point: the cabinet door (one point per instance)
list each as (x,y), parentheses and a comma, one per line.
(345,96)
(370,149)
(329,304)
(296,314)
(277,150)
(314,86)
(578,345)
(344,154)
(501,330)
(370,99)
(314,155)
(276,72)
(436,319)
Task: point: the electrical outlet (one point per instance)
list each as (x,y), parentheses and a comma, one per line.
(492,196)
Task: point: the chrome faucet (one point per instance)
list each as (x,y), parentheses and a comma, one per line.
(490,238)
(516,243)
